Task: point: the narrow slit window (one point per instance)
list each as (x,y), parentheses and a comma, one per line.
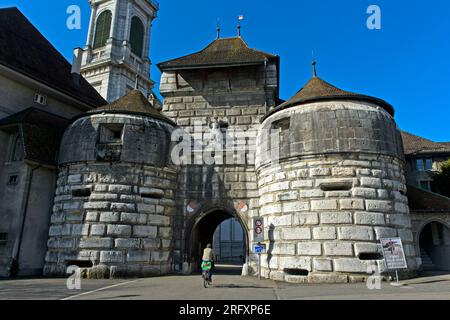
(81,193)
(297,272)
(282,124)
(365,256)
(79,263)
(152,193)
(336,186)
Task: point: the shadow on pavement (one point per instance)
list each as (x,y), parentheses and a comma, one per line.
(228,269)
(235,286)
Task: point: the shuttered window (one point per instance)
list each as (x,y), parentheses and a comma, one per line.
(137,36)
(102,29)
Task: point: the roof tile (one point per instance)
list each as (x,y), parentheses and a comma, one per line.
(417,145)
(220,53)
(133,102)
(319,90)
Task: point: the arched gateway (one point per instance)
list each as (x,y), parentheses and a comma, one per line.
(200,232)
(434,244)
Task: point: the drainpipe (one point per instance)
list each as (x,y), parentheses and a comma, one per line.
(14,268)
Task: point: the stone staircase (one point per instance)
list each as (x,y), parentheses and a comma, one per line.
(427,263)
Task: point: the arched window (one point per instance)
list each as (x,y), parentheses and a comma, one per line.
(102,29)
(137,36)
(17,151)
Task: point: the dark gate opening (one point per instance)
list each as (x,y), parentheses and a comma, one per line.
(434,242)
(202,234)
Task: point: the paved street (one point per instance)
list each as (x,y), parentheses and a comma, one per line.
(227,286)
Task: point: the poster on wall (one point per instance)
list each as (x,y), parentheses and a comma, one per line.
(393,253)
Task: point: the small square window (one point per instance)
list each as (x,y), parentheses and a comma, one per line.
(13,180)
(111,133)
(40,99)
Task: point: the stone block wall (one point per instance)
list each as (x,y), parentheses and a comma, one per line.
(313,228)
(118,217)
(229,100)
(115,198)
(331,182)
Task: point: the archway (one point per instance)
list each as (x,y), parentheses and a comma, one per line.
(229,242)
(434,244)
(202,231)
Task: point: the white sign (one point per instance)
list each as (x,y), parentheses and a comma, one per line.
(393,253)
(258,230)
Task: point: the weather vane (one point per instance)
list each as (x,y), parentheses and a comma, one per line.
(240,18)
(314,63)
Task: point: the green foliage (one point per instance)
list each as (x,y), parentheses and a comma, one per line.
(442,179)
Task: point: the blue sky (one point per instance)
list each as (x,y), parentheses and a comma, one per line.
(407,62)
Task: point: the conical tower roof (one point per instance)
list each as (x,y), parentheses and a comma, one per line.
(317,89)
(135,103)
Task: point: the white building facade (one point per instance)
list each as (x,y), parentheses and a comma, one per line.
(116,59)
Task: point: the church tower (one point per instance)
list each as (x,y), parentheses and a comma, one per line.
(116,57)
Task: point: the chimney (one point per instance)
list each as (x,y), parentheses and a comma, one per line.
(76,65)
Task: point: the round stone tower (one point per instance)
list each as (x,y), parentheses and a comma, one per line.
(330,174)
(114,201)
